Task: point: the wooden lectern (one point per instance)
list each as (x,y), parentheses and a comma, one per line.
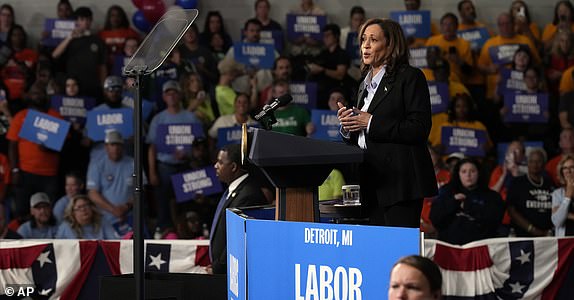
(296,166)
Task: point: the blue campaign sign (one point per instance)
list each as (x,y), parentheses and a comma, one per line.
(201,181)
(326,125)
(174,137)
(228,135)
(257,55)
(129,100)
(273,37)
(305,25)
(299,260)
(526,108)
(101,121)
(439,96)
(73,109)
(353,47)
(476,37)
(468,141)
(43,129)
(57,30)
(414,23)
(503,54)
(236,260)
(511,81)
(418,57)
(304,93)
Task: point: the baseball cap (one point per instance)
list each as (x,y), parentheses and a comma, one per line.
(457,155)
(114,137)
(113,82)
(171,85)
(39,198)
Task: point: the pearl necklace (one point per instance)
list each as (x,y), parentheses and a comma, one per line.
(533,183)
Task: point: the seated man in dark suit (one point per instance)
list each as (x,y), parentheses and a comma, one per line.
(242,190)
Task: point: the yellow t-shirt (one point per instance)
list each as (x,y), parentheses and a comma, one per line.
(566,82)
(462,48)
(454,87)
(485,60)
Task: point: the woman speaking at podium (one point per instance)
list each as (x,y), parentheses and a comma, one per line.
(391,122)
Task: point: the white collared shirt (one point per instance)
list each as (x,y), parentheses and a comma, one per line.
(235,183)
(371,85)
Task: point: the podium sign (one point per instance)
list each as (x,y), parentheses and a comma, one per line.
(299,260)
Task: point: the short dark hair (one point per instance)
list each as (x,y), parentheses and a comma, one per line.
(280,57)
(233,153)
(357,10)
(83,12)
(334,28)
(259,1)
(449,15)
(426,266)
(252,21)
(461,3)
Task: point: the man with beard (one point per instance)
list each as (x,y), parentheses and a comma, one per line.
(113,88)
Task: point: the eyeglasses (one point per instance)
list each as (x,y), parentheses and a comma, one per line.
(569,168)
(81,207)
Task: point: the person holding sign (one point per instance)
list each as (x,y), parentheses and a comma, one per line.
(34,166)
(164,164)
(498,52)
(242,191)
(415,42)
(397,172)
(240,116)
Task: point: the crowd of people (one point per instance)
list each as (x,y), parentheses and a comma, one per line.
(85,190)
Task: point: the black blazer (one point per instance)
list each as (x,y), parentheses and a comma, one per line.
(248,193)
(397,165)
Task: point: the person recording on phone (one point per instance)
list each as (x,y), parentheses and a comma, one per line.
(391,122)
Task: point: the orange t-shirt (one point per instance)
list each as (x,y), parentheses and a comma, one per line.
(115,39)
(566,81)
(442,178)
(485,59)
(32,157)
(494,176)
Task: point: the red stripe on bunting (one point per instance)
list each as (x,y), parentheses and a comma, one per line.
(88,251)
(112,253)
(565,260)
(454,259)
(20,258)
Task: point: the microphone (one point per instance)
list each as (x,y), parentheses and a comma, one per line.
(278,102)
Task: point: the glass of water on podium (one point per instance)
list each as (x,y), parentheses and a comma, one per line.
(352,194)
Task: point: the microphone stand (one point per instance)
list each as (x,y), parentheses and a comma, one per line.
(268,120)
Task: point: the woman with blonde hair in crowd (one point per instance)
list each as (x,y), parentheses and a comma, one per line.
(562,210)
(82,220)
